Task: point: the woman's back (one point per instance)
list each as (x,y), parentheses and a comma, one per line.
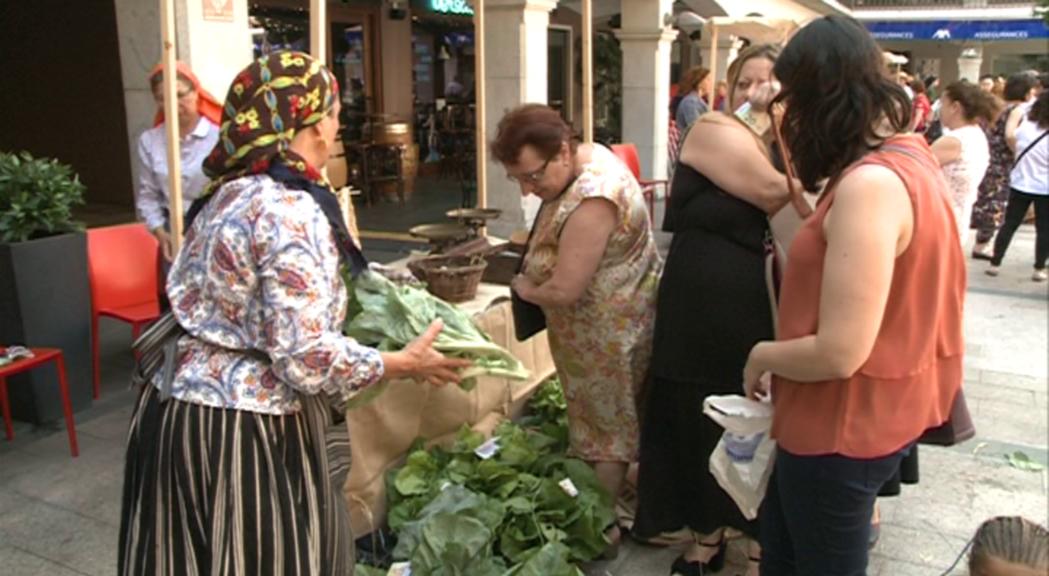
(713,305)
(965,174)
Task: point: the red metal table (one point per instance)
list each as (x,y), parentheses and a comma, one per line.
(40,356)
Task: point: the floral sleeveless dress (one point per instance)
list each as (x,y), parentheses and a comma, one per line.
(989,210)
(601,344)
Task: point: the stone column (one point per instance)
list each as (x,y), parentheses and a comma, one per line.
(515,73)
(646,42)
(216,50)
(969,63)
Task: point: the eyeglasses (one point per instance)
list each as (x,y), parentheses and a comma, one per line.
(532,177)
(159,98)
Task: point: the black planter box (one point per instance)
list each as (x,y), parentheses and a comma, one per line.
(45,301)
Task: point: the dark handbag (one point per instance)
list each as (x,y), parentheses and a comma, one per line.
(529,318)
(957,429)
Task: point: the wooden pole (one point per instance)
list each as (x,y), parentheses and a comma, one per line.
(480,106)
(713,52)
(588,72)
(170,87)
(318,30)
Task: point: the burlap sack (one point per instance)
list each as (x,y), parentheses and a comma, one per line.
(382,431)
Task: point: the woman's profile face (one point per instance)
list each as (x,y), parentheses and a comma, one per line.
(186,98)
(544,177)
(754,73)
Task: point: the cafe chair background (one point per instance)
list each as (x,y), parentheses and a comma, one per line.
(628,154)
(122,270)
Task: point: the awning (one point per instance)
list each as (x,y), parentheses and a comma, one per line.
(757,30)
(952,30)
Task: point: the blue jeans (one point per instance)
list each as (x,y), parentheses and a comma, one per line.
(815,520)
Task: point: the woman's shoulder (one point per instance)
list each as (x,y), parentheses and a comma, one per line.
(268,194)
(153,136)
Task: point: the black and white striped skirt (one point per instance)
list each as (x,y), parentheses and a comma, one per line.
(211,491)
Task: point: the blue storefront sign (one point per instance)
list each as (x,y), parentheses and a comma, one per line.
(946,30)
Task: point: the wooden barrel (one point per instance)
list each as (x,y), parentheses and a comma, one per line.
(411,169)
(399,133)
(391,133)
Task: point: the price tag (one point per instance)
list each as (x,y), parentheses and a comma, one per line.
(488,449)
(569,487)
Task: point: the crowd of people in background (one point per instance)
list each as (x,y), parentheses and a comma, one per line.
(986,137)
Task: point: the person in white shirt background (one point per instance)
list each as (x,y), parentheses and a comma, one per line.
(1029,184)
(199,114)
(962,151)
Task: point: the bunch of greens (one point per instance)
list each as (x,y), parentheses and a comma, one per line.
(389,316)
(527,507)
(548,413)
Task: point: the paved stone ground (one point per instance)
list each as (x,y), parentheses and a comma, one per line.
(59,516)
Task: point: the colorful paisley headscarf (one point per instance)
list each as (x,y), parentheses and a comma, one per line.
(268,103)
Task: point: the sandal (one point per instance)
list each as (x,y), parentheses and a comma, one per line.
(683,567)
(753,562)
(612,551)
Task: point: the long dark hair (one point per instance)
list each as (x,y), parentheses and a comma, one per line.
(1039,113)
(837,91)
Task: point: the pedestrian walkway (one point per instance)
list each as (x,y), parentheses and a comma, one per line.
(60,516)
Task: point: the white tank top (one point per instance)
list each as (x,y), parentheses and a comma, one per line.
(964,174)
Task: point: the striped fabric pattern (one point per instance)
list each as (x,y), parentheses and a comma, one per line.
(231,492)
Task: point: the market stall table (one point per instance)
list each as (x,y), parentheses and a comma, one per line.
(383,431)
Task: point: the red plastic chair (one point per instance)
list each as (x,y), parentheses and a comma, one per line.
(122,268)
(628,154)
(40,355)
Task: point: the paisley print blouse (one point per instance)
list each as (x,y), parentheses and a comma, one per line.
(259,272)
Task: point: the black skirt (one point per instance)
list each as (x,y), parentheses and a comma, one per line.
(223,492)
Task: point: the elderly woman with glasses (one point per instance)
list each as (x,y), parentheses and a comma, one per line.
(199,114)
(593,267)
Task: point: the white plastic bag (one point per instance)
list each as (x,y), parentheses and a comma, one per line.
(742,460)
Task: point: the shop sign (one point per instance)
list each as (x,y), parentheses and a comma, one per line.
(218,10)
(948,30)
(451,7)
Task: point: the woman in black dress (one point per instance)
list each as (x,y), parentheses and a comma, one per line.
(712,308)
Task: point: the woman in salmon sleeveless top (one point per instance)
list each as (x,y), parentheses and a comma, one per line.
(869,351)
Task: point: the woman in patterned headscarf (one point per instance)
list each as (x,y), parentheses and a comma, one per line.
(236,457)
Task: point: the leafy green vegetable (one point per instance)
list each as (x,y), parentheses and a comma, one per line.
(550,560)
(456,501)
(549,413)
(456,513)
(1022,461)
(365,570)
(455,545)
(513,498)
(389,316)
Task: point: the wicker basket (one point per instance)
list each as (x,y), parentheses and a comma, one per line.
(450,278)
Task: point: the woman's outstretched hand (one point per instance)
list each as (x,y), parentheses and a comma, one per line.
(419,360)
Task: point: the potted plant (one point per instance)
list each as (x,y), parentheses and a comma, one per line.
(45,298)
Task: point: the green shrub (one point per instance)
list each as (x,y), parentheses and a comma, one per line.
(37,196)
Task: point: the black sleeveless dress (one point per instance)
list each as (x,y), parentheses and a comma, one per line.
(712,308)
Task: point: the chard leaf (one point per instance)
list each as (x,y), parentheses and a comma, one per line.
(549,560)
